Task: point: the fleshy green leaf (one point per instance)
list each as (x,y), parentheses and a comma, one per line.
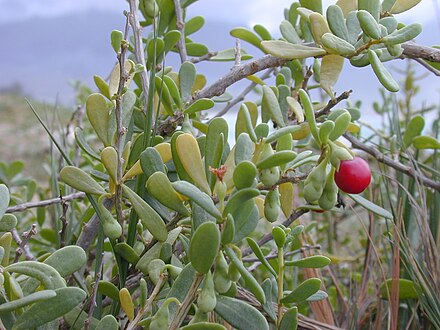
(407,289)
(310,262)
(240,314)
(80,180)
(288,50)
(50,309)
(371,206)
(425,142)
(303,291)
(204,246)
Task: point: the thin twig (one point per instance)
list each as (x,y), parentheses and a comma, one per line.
(22,243)
(332,103)
(238,73)
(120,130)
(284,179)
(274,255)
(186,304)
(427,66)
(64,222)
(237,52)
(138,49)
(180,24)
(94,294)
(90,229)
(243,94)
(149,302)
(391,163)
(23,207)
(205,57)
(268,237)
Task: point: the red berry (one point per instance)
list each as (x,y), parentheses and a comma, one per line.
(353,176)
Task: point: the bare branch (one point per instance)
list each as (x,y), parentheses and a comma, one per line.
(205,57)
(94,294)
(332,103)
(391,163)
(237,73)
(120,130)
(22,243)
(64,222)
(413,50)
(23,207)
(237,52)
(180,24)
(243,94)
(138,48)
(427,66)
(132,325)
(90,229)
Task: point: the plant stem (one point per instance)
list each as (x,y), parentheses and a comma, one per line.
(280,282)
(148,304)
(186,304)
(180,24)
(138,47)
(120,131)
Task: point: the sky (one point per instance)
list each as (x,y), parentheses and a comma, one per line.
(266,12)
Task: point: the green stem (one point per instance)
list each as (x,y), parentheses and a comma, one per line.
(186,304)
(280,282)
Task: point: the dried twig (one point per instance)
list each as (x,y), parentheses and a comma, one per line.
(138,48)
(23,207)
(413,50)
(186,304)
(427,66)
(180,24)
(120,130)
(94,294)
(243,94)
(332,103)
(141,313)
(391,163)
(22,243)
(205,57)
(64,222)
(90,229)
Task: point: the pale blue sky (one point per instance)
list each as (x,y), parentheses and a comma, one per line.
(249,12)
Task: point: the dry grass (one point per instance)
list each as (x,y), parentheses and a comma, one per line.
(22,137)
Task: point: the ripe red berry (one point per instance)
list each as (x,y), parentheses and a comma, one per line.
(353,176)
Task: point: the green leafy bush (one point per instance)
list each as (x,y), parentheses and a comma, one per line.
(163,221)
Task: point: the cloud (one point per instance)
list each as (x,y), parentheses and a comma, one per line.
(16,10)
(247,13)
